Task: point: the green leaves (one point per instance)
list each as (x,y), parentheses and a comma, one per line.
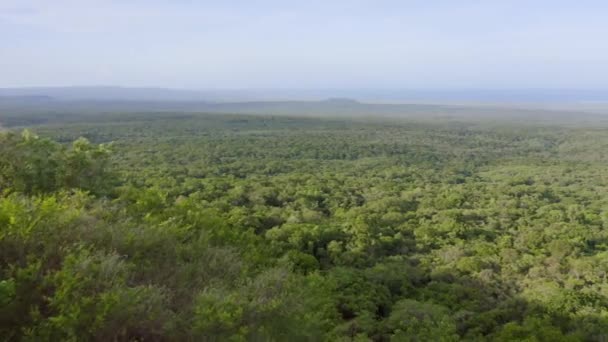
(93,300)
(230,228)
(415,321)
(7,292)
(273,306)
(35,165)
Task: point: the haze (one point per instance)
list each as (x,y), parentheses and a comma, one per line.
(304,44)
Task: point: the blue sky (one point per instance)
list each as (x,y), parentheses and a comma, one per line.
(305,44)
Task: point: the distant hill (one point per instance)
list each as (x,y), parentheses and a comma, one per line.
(461,96)
(105,93)
(34,110)
(24,106)
(25,98)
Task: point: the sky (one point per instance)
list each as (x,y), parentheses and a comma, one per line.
(274,44)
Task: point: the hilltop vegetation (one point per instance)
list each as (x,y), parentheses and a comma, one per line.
(211,227)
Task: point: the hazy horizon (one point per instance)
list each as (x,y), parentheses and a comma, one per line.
(437,96)
(313,45)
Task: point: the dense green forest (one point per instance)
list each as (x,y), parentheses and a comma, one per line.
(200,227)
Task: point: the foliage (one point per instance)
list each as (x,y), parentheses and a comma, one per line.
(238,228)
(34,165)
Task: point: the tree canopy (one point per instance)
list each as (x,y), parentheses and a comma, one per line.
(239,228)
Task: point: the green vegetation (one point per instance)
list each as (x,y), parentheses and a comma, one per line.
(234,228)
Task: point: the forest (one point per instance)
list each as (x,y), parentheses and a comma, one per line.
(219,227)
